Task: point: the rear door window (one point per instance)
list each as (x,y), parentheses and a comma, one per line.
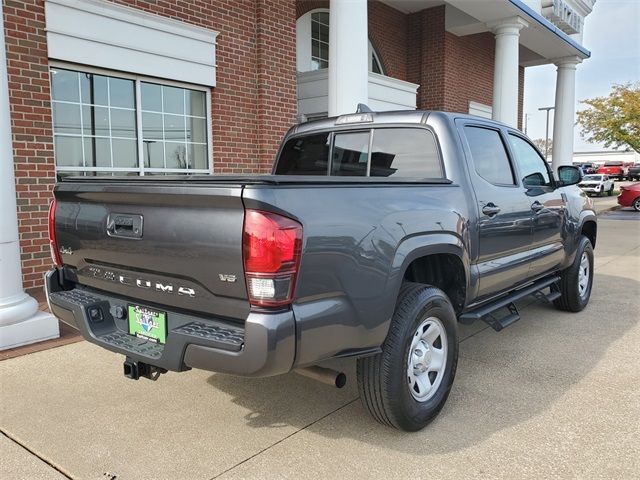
(305,156)
(489,155)
(404,152)
(350,154)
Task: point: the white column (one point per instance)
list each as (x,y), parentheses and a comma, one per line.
(348,61)
(20,320)
(505,74)
(564,116)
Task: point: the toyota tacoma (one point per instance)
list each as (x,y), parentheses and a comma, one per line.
(374,236)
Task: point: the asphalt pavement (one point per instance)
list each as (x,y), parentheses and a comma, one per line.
(554,395)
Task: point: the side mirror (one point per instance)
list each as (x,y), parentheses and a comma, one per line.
(569,175)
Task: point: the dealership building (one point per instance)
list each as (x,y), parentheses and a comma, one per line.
(153,87)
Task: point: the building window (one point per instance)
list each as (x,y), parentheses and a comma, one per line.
(319,40)
(107,124)
(313,43)
(376,66)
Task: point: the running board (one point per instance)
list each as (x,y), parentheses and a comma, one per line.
(499,323)
(507,301)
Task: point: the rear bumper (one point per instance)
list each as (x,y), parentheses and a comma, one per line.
(264,345)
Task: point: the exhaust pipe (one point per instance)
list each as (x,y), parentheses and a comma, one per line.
(324,375)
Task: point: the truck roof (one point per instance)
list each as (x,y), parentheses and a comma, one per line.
(383,118)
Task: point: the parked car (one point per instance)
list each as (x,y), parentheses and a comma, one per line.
(615,169)
(597,185)
(634,172)
(374,236)
(587,168)
(630,196)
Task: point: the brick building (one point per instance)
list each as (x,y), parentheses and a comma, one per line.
(147,87)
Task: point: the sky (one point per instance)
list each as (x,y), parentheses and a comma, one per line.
(612,34)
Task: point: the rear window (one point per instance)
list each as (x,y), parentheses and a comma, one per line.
(405,152)
(410,153)
(350,154)
(305,156)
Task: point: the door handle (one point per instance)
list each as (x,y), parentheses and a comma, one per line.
(490,209)
(124,225)
(536,206)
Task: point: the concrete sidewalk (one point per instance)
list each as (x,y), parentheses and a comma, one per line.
(555,395)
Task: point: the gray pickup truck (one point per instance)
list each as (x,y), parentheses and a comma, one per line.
(373,237)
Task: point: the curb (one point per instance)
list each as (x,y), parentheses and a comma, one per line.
(609,209)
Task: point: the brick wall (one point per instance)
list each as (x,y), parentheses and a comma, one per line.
(428,62)
(253,104)
(468,70)
(388,35)
(520,96)
(27,68)
(451,70)
(277,89)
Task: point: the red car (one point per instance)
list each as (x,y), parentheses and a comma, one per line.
(630,196)
(615,169)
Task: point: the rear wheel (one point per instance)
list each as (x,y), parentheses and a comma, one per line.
(611,190)
(576,281)
(407,384)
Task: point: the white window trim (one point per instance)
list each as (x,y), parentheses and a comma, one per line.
(480,110)
(137,79)
(303,44)
(111,36)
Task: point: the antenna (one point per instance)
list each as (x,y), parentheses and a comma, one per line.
(362,108)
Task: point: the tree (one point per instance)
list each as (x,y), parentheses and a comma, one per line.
(542,145)
(613,120)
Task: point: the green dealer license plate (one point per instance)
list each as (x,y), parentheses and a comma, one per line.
(147,323)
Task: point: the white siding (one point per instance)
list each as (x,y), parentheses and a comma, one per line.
(480,110)
(101,34)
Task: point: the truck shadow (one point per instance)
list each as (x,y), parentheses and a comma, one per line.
(503,380)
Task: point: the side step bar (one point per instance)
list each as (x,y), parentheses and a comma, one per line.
(484,312)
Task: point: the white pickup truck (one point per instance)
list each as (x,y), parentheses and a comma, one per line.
(597,184)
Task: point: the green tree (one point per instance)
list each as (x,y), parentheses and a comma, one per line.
(613,120)
(543,144)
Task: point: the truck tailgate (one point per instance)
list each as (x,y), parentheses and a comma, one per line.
(162,243)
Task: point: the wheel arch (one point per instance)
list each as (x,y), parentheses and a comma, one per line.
(439,260)
(589,228)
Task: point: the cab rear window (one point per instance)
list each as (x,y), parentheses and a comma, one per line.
(410,153)
(305,156)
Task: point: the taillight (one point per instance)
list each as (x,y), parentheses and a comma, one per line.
(271,245)
(53,242)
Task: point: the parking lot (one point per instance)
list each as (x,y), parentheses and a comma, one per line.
(554,395)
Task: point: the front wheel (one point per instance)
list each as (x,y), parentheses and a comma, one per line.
(576,281)
(636,204)
(406,385)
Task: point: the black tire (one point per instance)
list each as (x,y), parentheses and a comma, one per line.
(571,299)
(636,204)
(382,378)
(611,191)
